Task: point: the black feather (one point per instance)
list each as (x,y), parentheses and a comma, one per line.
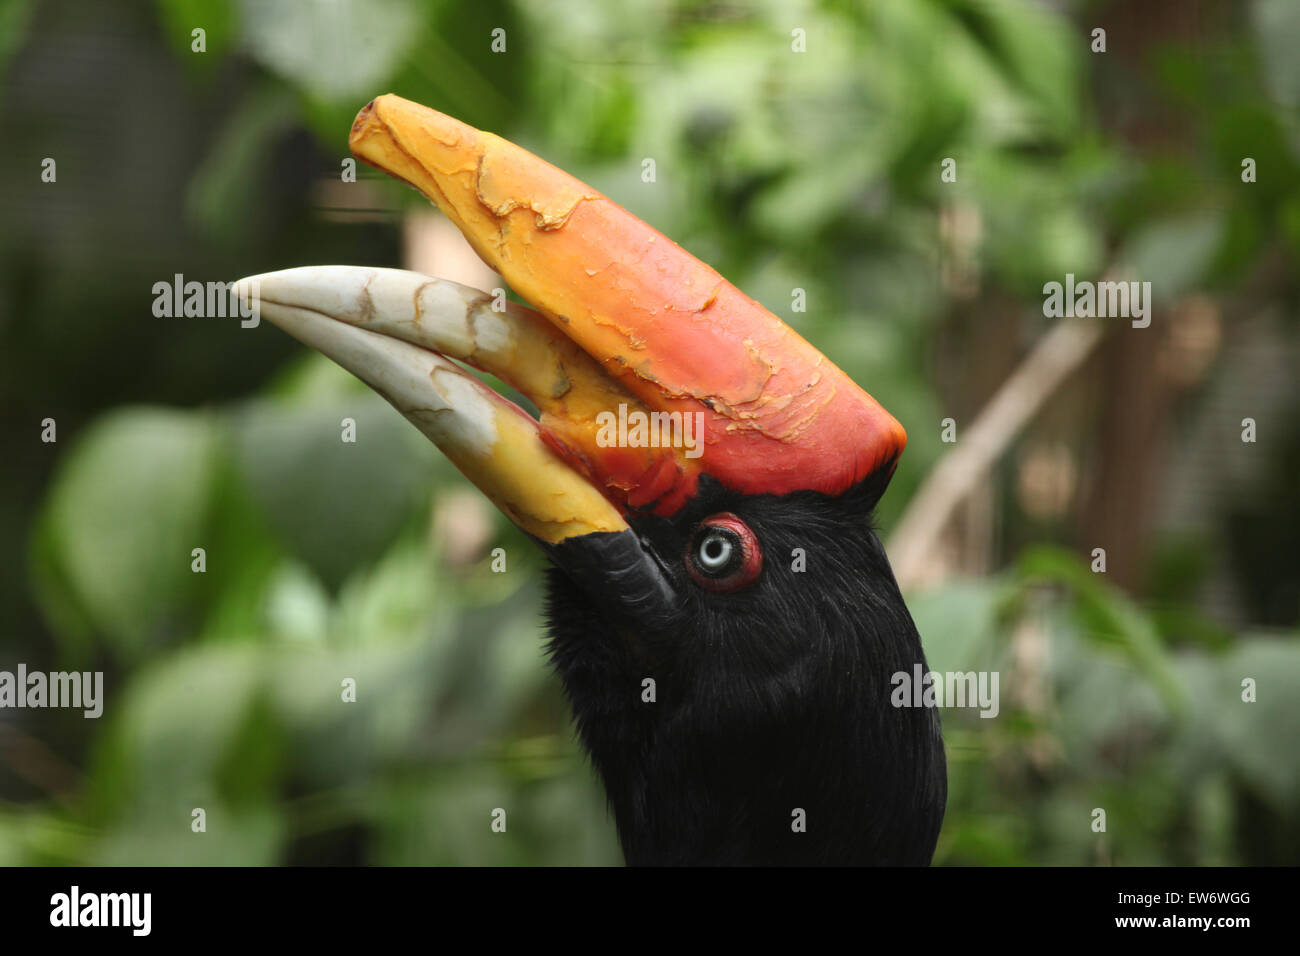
(769,700)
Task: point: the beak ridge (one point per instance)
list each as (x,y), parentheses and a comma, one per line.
(778,416)
(386,327)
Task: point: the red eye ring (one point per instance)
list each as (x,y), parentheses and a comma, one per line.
(723,555)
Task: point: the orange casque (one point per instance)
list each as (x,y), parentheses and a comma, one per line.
(778,415)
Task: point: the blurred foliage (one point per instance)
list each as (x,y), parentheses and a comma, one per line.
(814,171)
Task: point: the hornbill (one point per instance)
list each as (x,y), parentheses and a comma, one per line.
(721,614)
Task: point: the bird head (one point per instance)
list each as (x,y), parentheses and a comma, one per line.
(722,616)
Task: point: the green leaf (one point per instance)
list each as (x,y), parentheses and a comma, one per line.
(1174,255)
(337,505)
(174,727)
(127,507)
(1260,738)
(342,50)
(956,624)
(1039,51)
(1108,618)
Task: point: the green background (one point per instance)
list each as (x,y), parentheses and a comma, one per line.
(784,170)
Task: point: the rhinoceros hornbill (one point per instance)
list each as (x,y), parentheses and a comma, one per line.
(721,614)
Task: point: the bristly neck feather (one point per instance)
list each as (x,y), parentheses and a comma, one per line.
(771,706)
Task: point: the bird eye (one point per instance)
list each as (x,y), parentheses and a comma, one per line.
(723,554)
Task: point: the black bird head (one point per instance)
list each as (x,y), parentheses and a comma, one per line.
(722,615)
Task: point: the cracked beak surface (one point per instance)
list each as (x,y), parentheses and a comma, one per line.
(627,325)
(397,330)
(776,415)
